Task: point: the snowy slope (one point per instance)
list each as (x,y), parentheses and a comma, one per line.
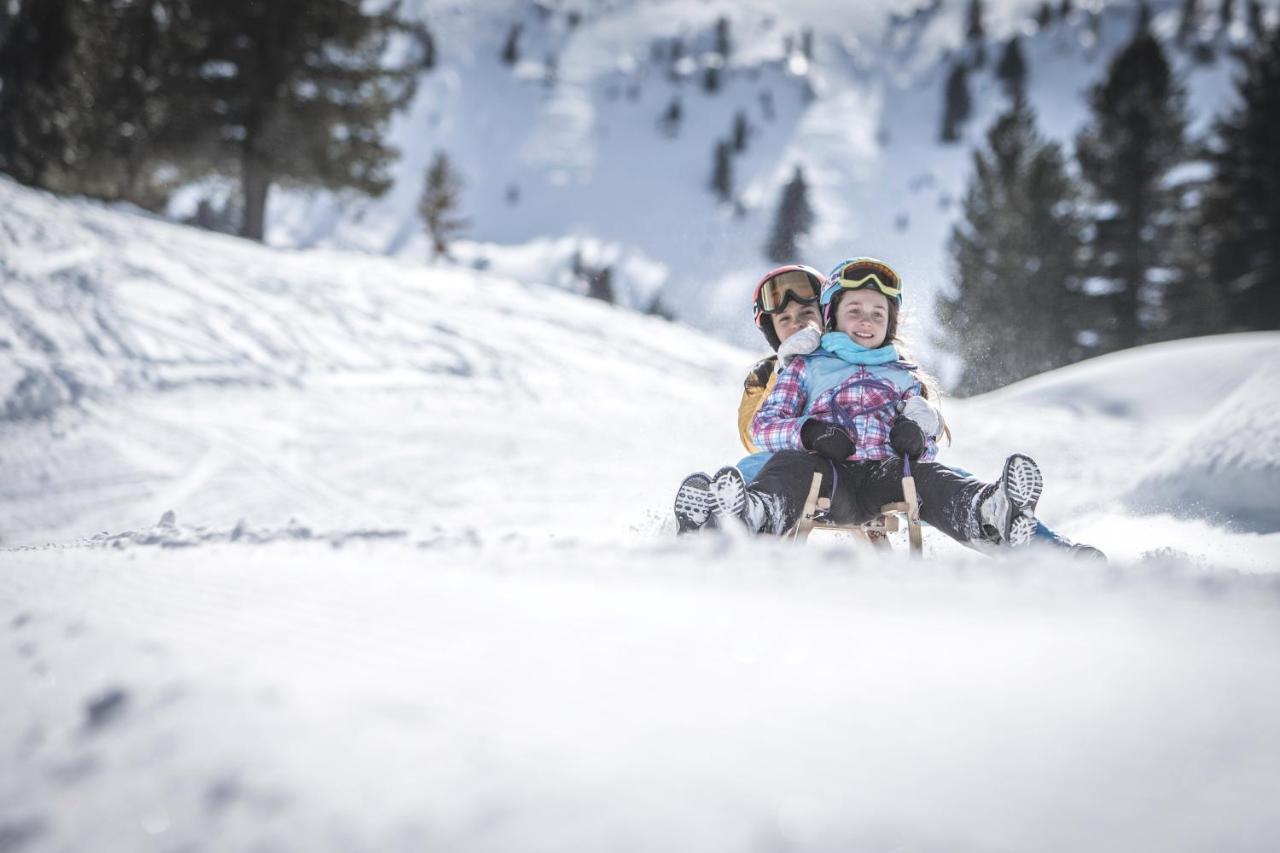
(421,591)
(591,168)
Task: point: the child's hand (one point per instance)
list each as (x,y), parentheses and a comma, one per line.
(802,342)
(827,439)
(906,438)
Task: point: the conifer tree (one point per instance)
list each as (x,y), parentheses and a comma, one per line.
(1133,140)
(1011,70)
(1241,210)
(723,42)
(38,103)
(975,33)
(1044,15)
(1016,309)
(1064,9)
(1254,15)
(670,121)
(722,171)
(1189,20)
(958,104)
(793,220)
(1226,14)
(299,91)
(711,79)
(740,131)
(438,205)
(131,58)
(511,47)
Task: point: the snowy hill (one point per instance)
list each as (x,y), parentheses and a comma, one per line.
(421,591)
(568,145)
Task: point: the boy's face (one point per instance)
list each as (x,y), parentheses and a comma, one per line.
(863,315)
(794,317)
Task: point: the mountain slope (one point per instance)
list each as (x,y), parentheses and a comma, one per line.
(575,150)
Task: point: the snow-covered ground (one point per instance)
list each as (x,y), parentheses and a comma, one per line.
(420,589)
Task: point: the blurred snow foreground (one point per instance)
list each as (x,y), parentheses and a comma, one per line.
(413,587)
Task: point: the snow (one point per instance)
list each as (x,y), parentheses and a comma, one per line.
(324,551)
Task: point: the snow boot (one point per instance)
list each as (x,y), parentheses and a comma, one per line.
(1007,508)
(693,503)
(761,513)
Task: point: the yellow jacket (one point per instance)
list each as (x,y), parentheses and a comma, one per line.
(755,390)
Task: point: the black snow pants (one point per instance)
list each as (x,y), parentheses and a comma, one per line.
(857,490)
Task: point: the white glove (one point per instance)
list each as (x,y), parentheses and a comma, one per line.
(923,413)
(802,342)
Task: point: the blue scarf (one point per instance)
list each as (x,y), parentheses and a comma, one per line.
(843,346)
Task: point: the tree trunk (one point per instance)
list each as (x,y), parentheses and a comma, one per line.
(255,182)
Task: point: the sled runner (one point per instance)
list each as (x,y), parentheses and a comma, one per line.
(875,532)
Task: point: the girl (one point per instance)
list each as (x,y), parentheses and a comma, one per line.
(848,411)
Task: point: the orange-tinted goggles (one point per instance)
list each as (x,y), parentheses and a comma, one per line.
(774,293)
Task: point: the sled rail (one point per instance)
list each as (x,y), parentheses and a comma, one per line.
(874,532)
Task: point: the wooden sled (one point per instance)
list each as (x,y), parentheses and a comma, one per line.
(875,532)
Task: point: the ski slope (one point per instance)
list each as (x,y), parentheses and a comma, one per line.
(419,589)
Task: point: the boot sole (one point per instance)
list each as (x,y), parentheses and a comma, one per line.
(1022,483)
(693,503)
(729,494)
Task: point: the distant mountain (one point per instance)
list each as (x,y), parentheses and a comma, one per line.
(573,144)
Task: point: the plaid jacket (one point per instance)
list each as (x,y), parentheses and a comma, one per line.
(864,400)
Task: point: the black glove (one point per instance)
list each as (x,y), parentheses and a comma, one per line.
(827,439)
(906,438)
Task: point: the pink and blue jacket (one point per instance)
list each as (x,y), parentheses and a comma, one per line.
(863,399)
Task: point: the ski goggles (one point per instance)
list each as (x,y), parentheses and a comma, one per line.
(773,294)
(864,272)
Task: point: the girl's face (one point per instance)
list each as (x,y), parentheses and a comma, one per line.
(795,317)
(863,315)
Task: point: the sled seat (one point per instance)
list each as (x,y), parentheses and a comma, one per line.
(876,531)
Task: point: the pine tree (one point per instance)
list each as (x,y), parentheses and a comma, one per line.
(1254,15)
(1011,70)
(1044,15)
(1241,210)
(722,171)
(511,47)
(1189,21)
(39,104)
(670,121)
(1134,139)
(438,205)
(711,78)
(600,285)
(131,57)
(723,42)
(958,105)
(975,33)
(1017,309)
(793,220)
(1226,14)
(740,131)
(299,92)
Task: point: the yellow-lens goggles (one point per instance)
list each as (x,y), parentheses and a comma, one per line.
(880,276)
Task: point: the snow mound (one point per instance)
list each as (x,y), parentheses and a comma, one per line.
(97,301)
(1169,381)
(1229,465)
